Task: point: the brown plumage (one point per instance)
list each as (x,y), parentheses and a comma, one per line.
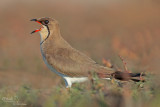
(67,61)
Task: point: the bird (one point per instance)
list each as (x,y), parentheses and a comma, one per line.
(69,63)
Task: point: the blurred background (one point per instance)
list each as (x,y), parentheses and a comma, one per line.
(100,29)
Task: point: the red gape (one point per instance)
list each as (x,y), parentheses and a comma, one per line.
(37,30)
(38,22)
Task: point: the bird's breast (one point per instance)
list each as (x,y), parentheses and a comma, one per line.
(48,65)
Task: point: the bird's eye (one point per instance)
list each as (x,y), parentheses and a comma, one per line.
(46,21)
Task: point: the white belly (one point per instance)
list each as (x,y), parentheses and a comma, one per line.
(70,80)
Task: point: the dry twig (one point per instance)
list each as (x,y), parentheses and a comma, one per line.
(124,64)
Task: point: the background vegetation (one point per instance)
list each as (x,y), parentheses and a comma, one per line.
(100,29)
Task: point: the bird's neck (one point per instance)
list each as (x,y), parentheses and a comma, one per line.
(48,34)
(54,40)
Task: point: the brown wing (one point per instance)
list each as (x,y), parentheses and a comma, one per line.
(73,63)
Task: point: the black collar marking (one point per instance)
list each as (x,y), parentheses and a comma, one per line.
(47,35)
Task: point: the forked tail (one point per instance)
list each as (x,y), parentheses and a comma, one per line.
(128,76)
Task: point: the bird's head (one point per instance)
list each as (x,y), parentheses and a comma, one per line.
(48,26)
(46,23)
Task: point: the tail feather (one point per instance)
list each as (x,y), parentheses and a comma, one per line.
(136,74)
(137,80)
(127,76)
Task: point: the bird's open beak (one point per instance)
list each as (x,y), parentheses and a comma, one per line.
(37,29)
